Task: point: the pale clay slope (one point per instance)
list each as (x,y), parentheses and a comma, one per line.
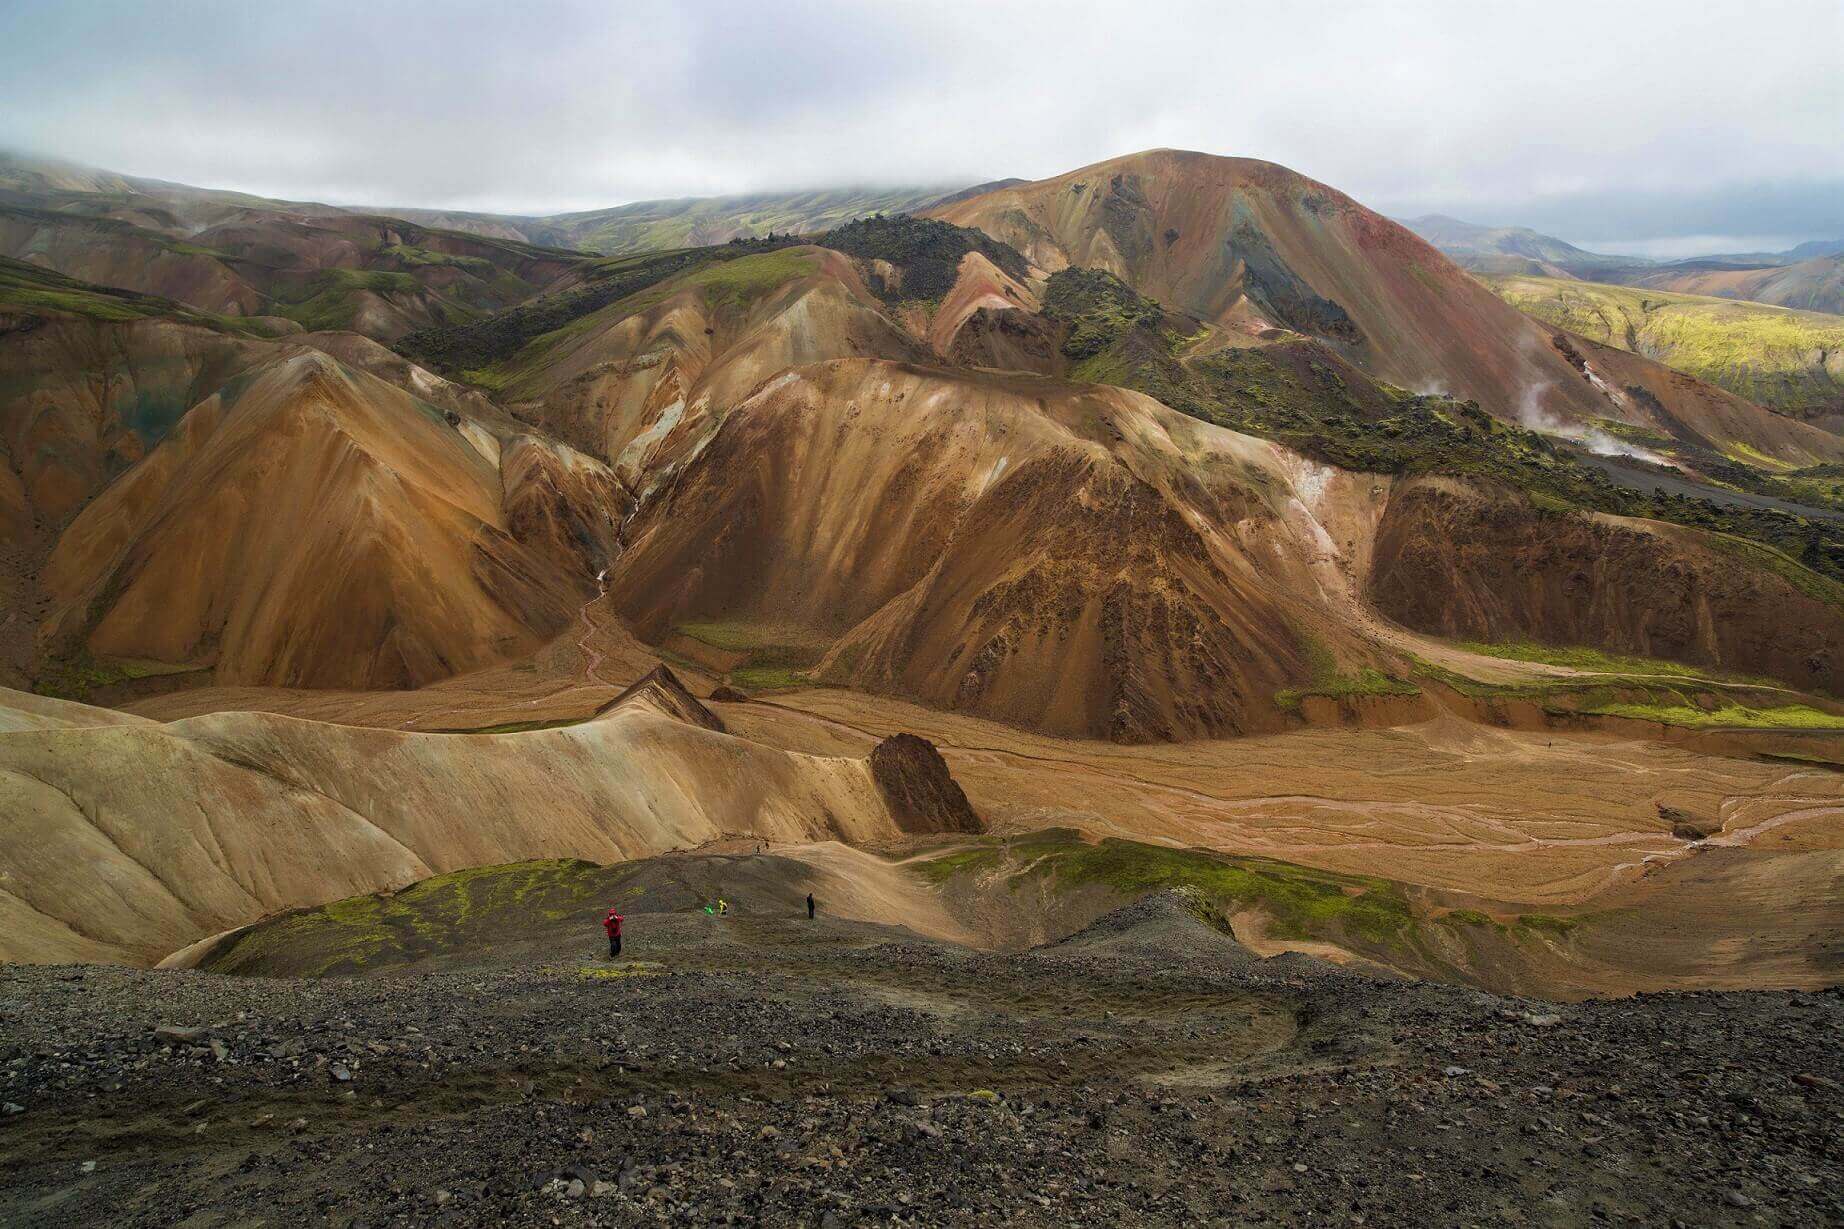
(128,842)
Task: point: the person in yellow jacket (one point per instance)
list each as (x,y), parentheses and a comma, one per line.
(723,906)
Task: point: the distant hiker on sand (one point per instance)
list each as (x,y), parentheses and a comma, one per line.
(809,906)
(612,924)
(723,906)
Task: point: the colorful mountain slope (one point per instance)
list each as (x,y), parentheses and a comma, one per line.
(1250,247)
(1815,284)
(308,524)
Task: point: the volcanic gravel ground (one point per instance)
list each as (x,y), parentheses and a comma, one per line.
(755,1071)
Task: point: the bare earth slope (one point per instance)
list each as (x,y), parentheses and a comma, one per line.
(308,525)
(1072,557)
(1477,565)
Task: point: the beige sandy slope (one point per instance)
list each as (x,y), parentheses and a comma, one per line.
(131,841)
(1249,244)
(22,710)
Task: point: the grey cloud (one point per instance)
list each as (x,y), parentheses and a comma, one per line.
(1597,121)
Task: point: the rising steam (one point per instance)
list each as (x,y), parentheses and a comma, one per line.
(1533,417)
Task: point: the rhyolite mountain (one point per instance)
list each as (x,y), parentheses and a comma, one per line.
(1170,448)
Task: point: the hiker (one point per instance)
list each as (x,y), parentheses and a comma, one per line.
(809,906)
(723,906)
(612,924)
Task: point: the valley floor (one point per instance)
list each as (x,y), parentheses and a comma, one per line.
(762,1069)
(1495,820)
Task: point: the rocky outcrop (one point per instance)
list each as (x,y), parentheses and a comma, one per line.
(661,690)
(922,794)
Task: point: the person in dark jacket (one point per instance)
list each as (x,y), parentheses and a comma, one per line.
(809,906)
(612,924)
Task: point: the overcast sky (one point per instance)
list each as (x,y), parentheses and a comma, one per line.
(1652,127)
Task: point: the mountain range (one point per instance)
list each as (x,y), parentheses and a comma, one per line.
(1808,276)
(342,549)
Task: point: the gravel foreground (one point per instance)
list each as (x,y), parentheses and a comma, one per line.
(759,1071)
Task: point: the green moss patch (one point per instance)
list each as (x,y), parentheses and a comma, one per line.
(331,298)
(1771,355)
(29,290)
(1583,657)
(1302,903)
(75,677)
(507,345)
(1331,682)
(734,284)
(927,251)
(774,657)
(456,911)
(1469,917)
(1728,716)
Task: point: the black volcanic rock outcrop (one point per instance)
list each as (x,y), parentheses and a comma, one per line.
(923,795)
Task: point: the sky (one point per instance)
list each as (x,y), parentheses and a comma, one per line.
(1646,128)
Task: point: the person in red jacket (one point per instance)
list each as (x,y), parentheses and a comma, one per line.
(612,924)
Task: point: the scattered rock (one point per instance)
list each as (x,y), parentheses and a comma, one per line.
(11,1108)
(340,1072)
(176,1034)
